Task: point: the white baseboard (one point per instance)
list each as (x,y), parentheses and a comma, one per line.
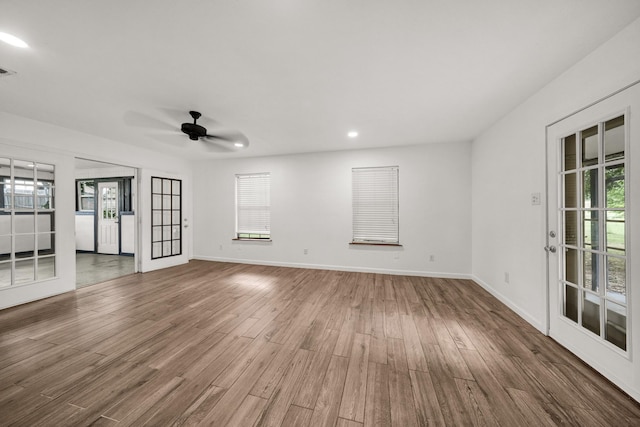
(434,274)
(514,307)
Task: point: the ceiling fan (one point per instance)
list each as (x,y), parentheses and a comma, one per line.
(220,136)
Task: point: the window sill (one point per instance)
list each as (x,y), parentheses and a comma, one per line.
(250,240)
(374,244)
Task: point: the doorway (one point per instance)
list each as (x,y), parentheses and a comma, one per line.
(105,218)
(592,236)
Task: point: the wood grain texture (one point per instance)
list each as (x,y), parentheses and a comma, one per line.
(229,344)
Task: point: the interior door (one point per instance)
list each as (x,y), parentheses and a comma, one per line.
(108,218)
(592,235)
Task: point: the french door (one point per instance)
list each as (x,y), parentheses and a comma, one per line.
(593,240)
(108,218)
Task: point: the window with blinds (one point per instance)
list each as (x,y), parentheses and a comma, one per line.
(375,205)
(253,206)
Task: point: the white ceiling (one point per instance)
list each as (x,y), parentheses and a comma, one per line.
(294,76)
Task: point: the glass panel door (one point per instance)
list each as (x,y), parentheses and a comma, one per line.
(593,250)
(593,240)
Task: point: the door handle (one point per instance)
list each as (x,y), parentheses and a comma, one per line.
(551,249)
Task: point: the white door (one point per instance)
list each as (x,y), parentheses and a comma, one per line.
(108,218)
(593,233)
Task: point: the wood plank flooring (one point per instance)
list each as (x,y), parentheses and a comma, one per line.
(218,344)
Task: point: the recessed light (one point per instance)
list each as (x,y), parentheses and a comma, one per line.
(352,134)
(239,144)
(12,40)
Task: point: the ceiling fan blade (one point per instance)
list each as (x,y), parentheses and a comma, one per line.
(231,136)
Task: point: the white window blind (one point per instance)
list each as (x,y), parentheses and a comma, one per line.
(253,206)
(375,205)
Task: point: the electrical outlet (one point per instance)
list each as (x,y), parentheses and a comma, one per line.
(305,251)
(506,277)
(535,199)
(220,247)
(432,258)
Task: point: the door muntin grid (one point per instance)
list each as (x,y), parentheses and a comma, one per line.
(592,208)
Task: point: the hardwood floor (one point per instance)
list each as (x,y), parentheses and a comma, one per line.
(225,344)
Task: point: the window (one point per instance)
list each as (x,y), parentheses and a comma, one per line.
(27,222)
(86,195)
(375,205)
(166,216)
(253,206)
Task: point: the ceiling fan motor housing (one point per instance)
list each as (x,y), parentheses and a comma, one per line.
(194,131)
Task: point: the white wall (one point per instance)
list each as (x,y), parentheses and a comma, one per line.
(311,209)
(27,139)
(508,164)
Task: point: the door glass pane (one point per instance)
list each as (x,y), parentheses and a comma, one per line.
(24,223)
(156,234)
(571,266)
(46,222)
(46,268)
(569,151)
(590,188)
(176,187)
(5,184)
(590,268)
(45,243)
(590,229)
(614,186)
(25,244)
(571,228)
(570,191)
(616,330)
(23,186)
(24,271)
(614,139)
(591,312)
(156,252)
(156,185)
(176,247)
(616,232)
(589,138)
(5,274)
(571,303)
(5,224)
(617,278)
(166,217)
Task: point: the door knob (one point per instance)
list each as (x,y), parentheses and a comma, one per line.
(551,249)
